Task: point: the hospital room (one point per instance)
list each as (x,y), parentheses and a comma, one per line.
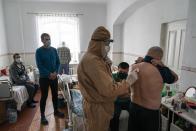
(97,65)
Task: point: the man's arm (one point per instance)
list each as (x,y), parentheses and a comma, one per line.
(175,75)
(57,61)
(167,74)
(40,64)
(69,55)
(53,75)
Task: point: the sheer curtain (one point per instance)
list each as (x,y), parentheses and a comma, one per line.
(62,28)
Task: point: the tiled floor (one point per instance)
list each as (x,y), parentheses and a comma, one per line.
(29,119)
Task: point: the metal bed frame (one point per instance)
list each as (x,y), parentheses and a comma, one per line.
(6,90)
(68,99)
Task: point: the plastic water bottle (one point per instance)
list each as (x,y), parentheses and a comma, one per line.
(12,115)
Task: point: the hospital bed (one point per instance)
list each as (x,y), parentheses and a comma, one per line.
(73,99)
(6,90)
(18,93)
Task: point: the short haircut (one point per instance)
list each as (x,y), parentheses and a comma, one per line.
(16,54)
(123,65)
(43,35)
(155,51)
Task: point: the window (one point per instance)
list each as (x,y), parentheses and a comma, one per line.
(62,28)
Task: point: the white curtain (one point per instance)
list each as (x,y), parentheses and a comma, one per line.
(60,27)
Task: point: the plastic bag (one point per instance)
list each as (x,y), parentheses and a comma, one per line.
(12,115)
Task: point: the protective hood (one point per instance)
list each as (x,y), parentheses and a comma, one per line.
(96,45)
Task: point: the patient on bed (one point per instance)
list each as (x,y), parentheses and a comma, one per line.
(18,76)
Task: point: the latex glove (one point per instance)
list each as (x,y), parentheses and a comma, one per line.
(132,76)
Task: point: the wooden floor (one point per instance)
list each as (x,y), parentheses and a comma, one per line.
(29,119)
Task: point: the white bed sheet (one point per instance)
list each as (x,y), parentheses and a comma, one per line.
(20,95)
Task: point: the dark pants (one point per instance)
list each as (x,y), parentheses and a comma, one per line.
(31,89)
(119,105)
(44,86)
(143,119)
(64,68)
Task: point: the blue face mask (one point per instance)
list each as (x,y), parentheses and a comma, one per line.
(48,43)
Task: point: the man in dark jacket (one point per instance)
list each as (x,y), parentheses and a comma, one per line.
(19,76)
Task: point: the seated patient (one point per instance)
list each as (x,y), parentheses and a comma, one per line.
(122,102)
(19,76)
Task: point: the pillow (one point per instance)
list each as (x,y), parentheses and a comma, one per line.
(4,71)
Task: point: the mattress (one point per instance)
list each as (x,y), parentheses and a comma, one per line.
(20,95)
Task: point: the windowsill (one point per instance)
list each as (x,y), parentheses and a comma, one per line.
(74,63)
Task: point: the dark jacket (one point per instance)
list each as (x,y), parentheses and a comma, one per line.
(18,75)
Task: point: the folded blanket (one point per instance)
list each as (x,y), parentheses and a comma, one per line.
(77,102)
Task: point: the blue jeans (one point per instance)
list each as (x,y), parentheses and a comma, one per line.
(65,68)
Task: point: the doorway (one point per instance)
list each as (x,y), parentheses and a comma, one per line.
(172,41)
(173,38)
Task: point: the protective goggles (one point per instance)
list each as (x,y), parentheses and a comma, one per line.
(106,41)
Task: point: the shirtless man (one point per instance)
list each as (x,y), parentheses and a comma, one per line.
(146,91)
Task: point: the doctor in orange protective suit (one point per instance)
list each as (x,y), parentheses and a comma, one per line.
(96,83)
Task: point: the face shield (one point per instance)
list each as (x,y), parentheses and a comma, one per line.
(106,48)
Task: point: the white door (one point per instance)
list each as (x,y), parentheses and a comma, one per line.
(174,46)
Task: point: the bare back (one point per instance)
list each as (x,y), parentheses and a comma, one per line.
(146,92)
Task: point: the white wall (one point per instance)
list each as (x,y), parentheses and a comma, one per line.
(139,17)
(189,63)
(3,46)
(142,29)
(114,9)
(117,50)
(21,27)
(117,12)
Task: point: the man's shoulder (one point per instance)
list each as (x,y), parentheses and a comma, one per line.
(67,48)
(62,48)
(59,48)
(39,49)
(144,67)
(52,48)
(142,64)
(134,66)
(12,65)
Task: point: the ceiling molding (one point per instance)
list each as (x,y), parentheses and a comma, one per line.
(70,1)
